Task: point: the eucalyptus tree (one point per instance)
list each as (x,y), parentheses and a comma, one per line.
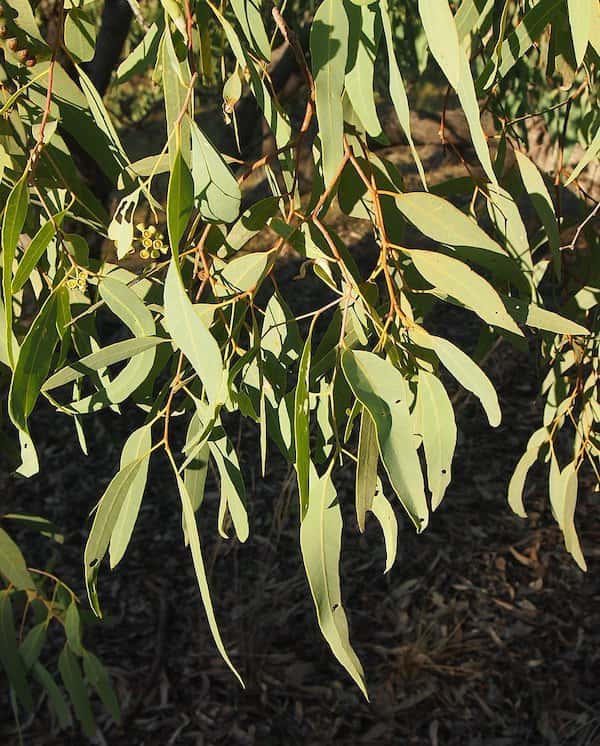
(210,330)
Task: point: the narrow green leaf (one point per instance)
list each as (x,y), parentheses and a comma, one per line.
(384,513)
(465,370)
(329,52)
(302,426)
(35,250)
(320,542)
(242,274)
(12,563)
(363,42)
(97,675)
(32,645)
(33,364)
(366,467)
(525,312)
(519,476)
(80,34)
(470,105)
(590,154)
(73,628)
(249,16)
(70,673)
(105,519)
(542,202)
(15,213)
(56,699)
(193,338)
(568,501)
(180,201)
(137,446)
(382,390)
(580,19)
(9,657)
(458,280)
(438,429)
(189,520)
(101,359)
(398,90)
(442,37)
(216,191)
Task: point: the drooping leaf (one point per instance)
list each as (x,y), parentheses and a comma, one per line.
(137,446)
(80,34)
(215,189)
(33,364)
(384,513)
(320,542)
(438,429)
(580,20)
(302,426)
(329,52)
(180,201)
(442,37)
(464,369)
(104,523)
(189,520)
(35,250)
(15,213)
(12,563)
(97,675)
(193,338)
(72,678)
(381,389)
(398,90)
(540,197)
(249,16)
(366,467)
(56,699)
(73,628)
(519,476)
(459,281)
(9,656)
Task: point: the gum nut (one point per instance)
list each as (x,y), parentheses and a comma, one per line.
(140,227)
(147,243)
(155,253)
(144,253)
(12,44)
(3,32)
(23,54)
(71,284)
(151,229)
(30,62)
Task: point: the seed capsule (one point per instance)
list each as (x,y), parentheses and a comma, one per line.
(30,62)
(3,32)
(23,54)
(12,44)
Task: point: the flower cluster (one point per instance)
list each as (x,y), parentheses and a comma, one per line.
(151,241)
(79,281)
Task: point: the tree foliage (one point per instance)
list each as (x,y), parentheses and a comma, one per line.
(210,333)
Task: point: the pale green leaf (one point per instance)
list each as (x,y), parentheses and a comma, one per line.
(329,52)
(442,37)
(320,542)
(382,390)
(80,34)
(580,20)
(590,154)
(465,370)
(366,467)
(384,513)
(302,426)
(104,523)
(519,475)
(398,90)
(193,338)
(189,520)
(137,446)
(215,189)
(459,281)
(438,429)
